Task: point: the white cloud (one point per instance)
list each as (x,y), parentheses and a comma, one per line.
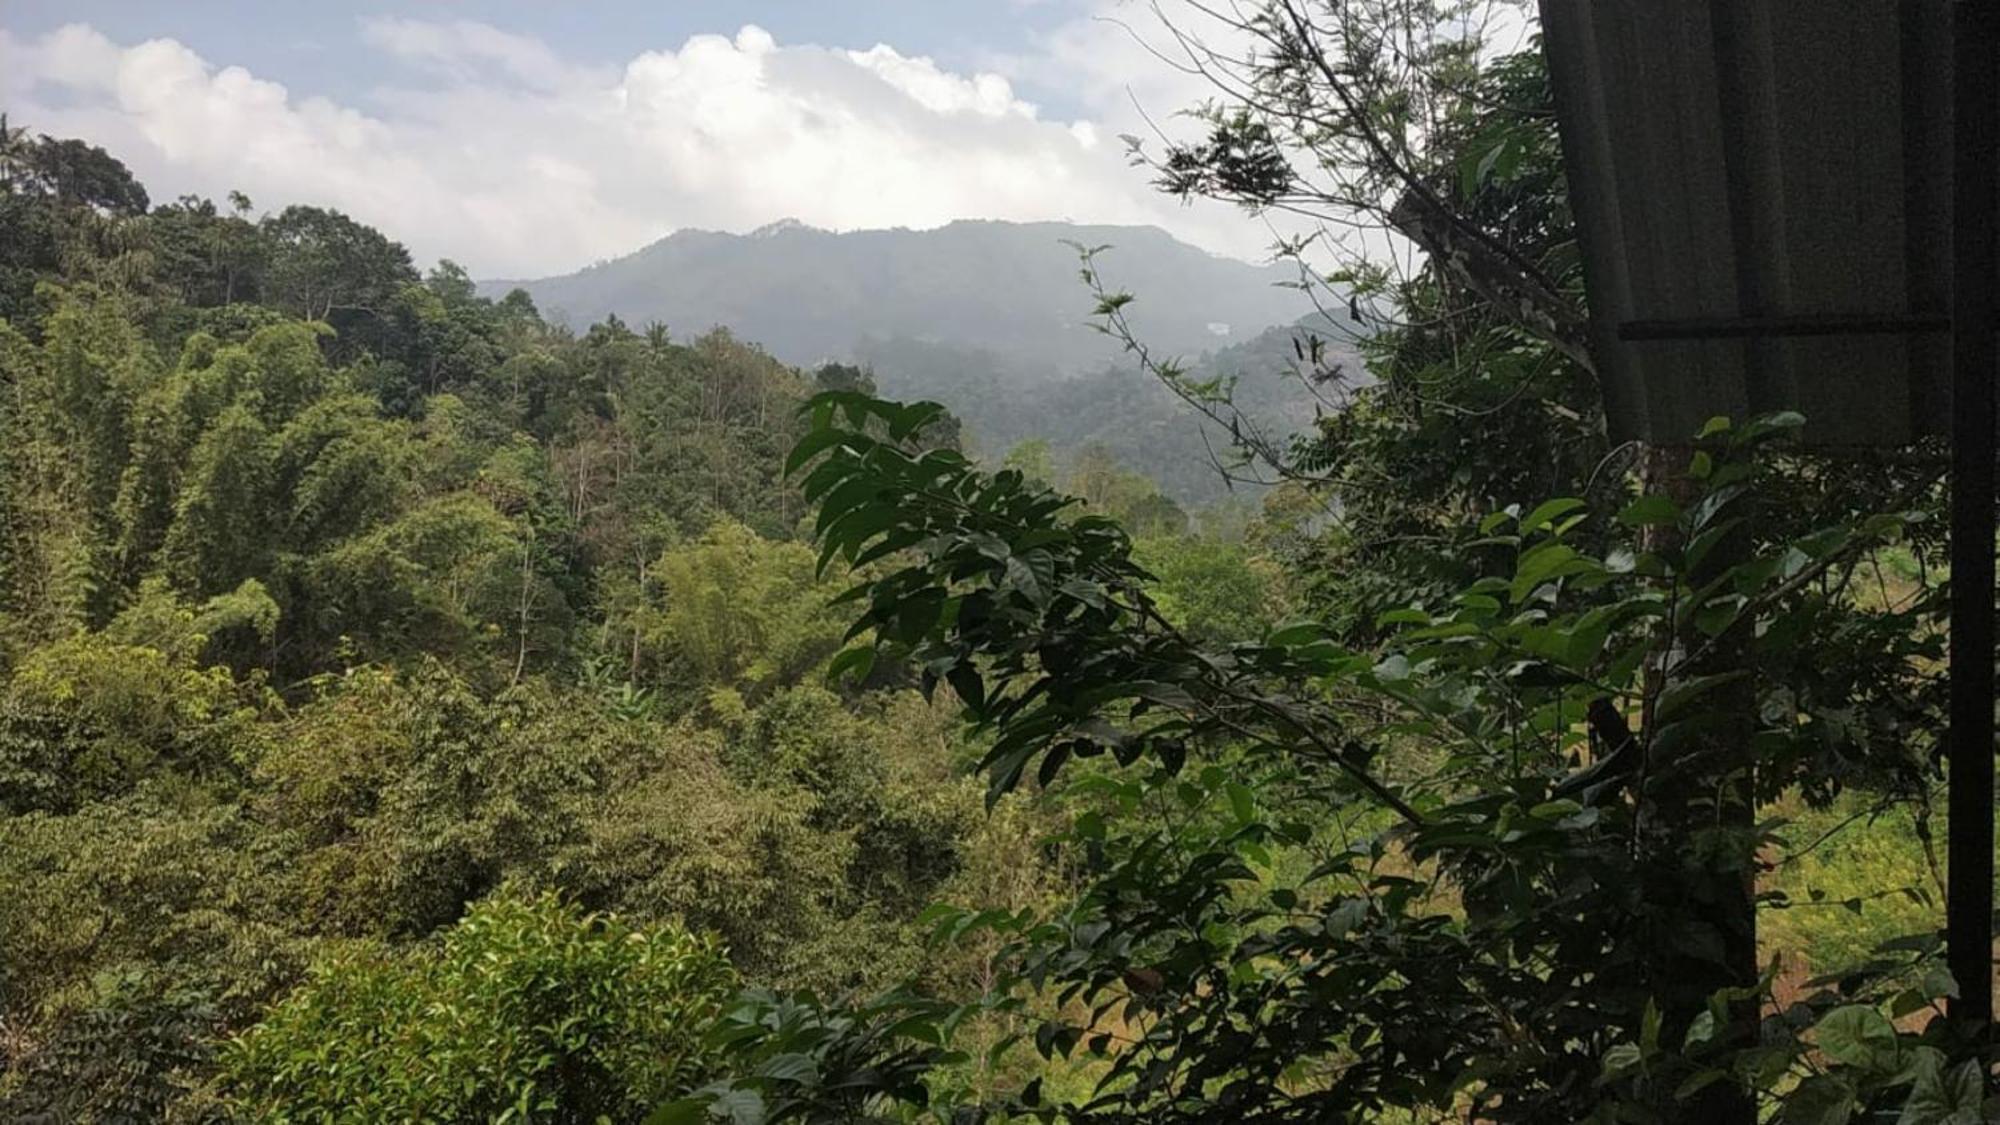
(988,95)
(1129,68)
(515,161)
(460,49)
(1133,67)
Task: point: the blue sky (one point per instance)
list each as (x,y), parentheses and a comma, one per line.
(318,48)
(531,138)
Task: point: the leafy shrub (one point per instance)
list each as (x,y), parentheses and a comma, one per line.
(1215,591)
(739,609)
(87,718)
(134,1053)
(1540,939)
(529,1008)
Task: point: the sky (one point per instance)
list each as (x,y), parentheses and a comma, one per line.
(523,139)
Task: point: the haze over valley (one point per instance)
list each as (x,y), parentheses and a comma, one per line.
(992,319)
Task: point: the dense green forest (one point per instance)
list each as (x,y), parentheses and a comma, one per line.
(336,601)
(1121,411)
(976,315)
(413,710)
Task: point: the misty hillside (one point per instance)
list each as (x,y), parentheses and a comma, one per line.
(990,318)
(1120,409)
(808,295)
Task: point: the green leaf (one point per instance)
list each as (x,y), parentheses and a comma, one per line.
(913,418)
(687,1111)
(1859,1036)
(814,443)
(991,546)
(739,1107)
(845,497)
(1301,633)
(965,681)
(1033,575)
(1621,1060)
(1777,421)
(1555,810)
(1820,1100)
(1342,919)
(1940,1098)
(857,661)
(848,533)
(1698,1081)
(1651,509)
(1545,563)
(1586,639)
(1700,1030)
(1649,1029)
(1548,512)
(1394,668)
(1678,696)
(917,615)
(788,1067)
(1242,803)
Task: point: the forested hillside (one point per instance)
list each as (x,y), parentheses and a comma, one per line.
(336,599)
(1122,411)
(989,319)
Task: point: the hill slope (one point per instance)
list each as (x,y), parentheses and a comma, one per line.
(1119,409)
(988,317)
(1012,289)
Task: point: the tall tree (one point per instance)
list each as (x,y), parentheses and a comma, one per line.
(325,266)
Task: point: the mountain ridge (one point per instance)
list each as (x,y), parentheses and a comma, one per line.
(810,295)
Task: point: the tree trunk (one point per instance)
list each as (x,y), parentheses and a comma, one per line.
(527,605)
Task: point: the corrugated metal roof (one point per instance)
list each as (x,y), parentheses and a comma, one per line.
(1761,159)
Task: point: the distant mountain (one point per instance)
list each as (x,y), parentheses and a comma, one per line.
(989,318)
(808,295)
(1123,410)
